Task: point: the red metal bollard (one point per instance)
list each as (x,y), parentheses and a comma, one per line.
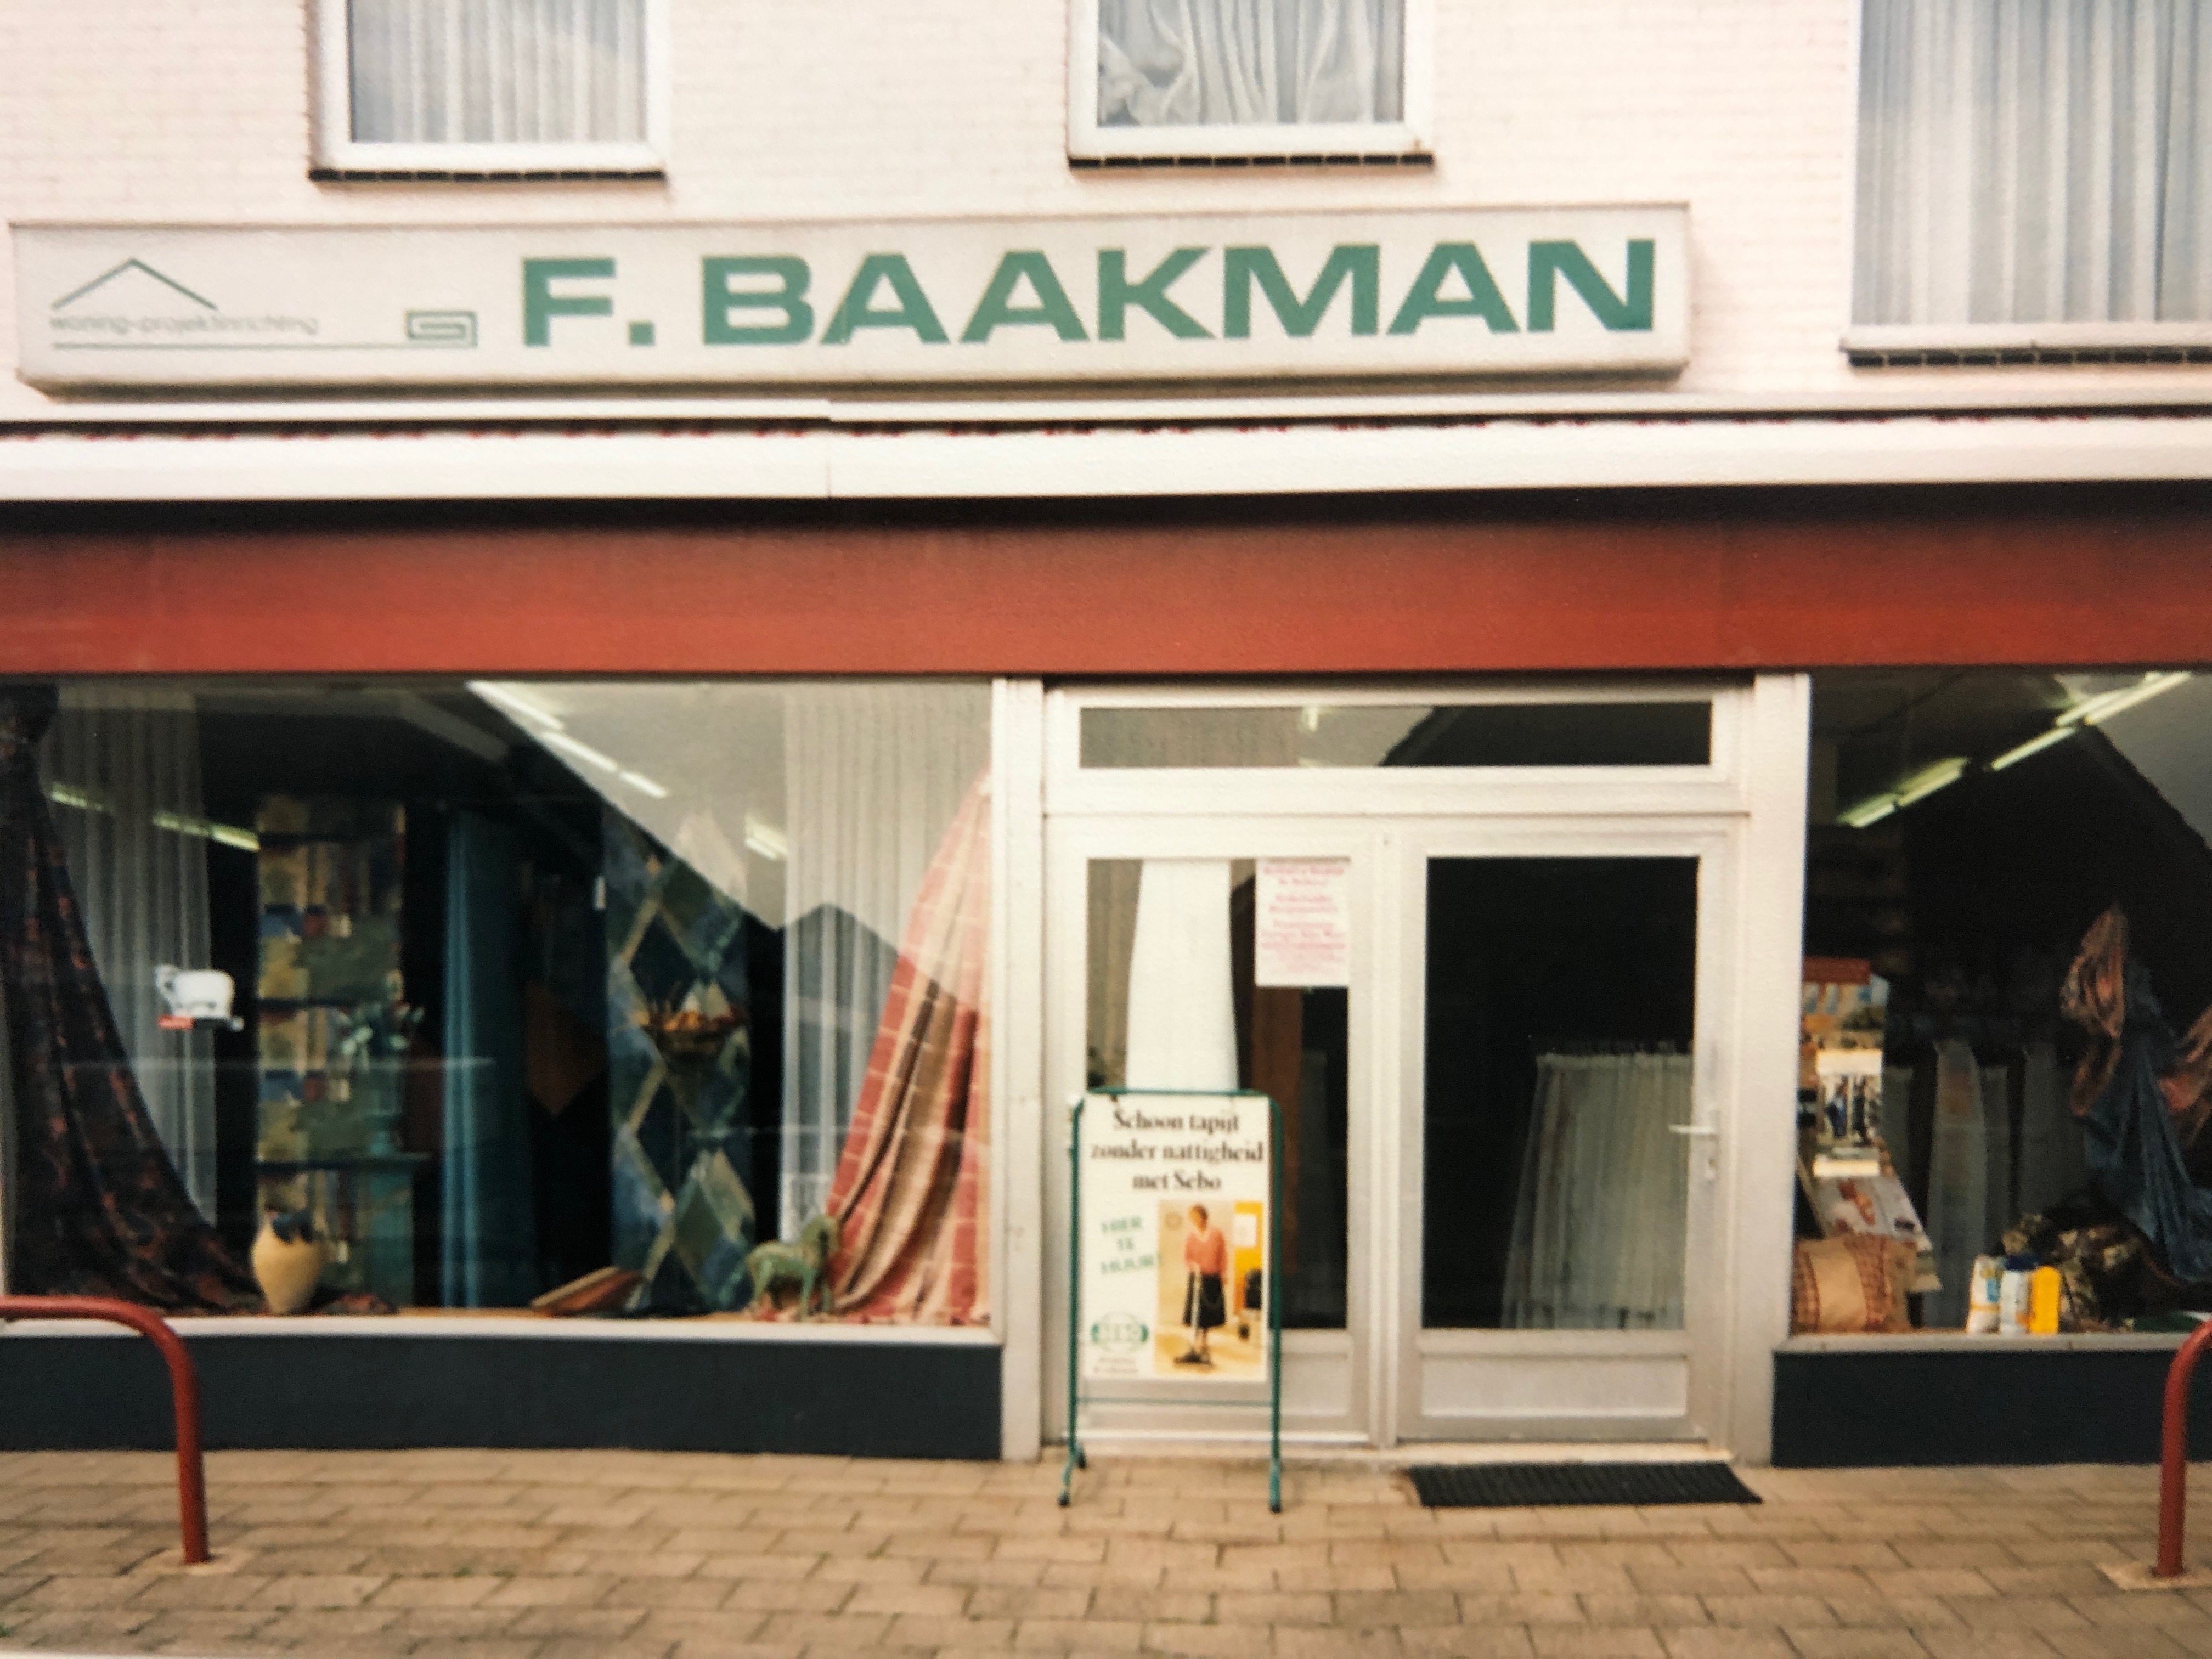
(2173,1453)
(184,1388)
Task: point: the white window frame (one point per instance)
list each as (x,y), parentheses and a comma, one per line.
(1981,345)
(336,149)
(1087,141)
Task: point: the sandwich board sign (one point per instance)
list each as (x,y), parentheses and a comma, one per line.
(1175,1208)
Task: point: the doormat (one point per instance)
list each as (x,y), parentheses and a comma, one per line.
(1547,1485)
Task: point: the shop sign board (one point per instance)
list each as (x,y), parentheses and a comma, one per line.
(1422,295)
(1172,1268)
(1302,922)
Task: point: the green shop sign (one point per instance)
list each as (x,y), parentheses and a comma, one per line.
(1408,297)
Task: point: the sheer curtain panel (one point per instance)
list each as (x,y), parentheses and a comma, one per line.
(122,767)
(2035,162)
(1250,63)
(1598,1225)
(873,777)
(497,71)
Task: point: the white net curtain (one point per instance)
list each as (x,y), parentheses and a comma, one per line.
(1598,1229)
(1250,63)
(2035,160)
(497,71)
(123,767)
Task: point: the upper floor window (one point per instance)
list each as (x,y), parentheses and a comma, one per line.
(2035,162)
(1318,79)
(490,86)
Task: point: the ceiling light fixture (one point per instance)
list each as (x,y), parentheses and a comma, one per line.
(561,742)
(2034,745)
(507,697)
(2153,685)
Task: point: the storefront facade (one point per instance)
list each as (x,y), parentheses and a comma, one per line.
(697,720)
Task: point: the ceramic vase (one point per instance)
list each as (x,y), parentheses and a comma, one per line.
(287,1269)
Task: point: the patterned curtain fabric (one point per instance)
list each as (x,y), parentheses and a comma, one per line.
(101,1211)
(911,1188)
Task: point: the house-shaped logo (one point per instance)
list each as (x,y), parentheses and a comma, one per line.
(136,305)
(134,285)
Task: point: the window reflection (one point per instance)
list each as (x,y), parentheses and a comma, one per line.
(563,991)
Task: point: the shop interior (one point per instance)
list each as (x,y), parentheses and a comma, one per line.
(2007,891)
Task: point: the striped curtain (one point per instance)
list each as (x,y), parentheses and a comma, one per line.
(2034,160)
(910,1190)
(497,71)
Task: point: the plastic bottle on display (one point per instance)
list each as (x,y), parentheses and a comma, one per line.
(1983,1286)
(2012,1294)
(2043,1303)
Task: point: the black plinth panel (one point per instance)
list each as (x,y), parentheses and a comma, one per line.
(2012,1403)
(89,1390)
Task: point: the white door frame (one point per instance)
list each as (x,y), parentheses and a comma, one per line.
(1631,1385)
(1753,784)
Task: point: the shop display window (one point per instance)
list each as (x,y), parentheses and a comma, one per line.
(591,999)
(2005,1046)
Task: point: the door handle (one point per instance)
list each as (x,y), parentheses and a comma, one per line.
(1702,1131)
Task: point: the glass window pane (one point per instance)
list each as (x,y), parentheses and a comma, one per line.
(583,989)
(1420,735)
(1234,63)
(2008,883)
(1180,1011)
(1559,1018)
(2020,166)
(496,72)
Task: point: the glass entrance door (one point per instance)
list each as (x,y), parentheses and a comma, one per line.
(1168,976)
(1551,1109)
(1503,1106)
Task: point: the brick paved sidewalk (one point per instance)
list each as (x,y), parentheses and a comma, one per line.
(543,1555)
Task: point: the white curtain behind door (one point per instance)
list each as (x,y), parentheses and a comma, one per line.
(1598,1224)
(2035,160)
(1182,1002)
(1249,62)
(115,761)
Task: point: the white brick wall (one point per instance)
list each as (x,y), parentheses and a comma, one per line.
(196,111)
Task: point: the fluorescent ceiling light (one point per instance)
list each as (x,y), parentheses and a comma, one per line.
(85,800)
(507,697)
(645,785)
(2034,745)
(1873,809)
(561,742)
(1926,782)
(766,839)
(2153,685)
(205,829)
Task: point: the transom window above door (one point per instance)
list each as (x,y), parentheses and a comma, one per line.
(1197,79)
(488,89)
(2035,176)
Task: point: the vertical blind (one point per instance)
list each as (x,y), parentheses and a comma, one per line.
(2035,160)
(497,71)
(1247,62)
